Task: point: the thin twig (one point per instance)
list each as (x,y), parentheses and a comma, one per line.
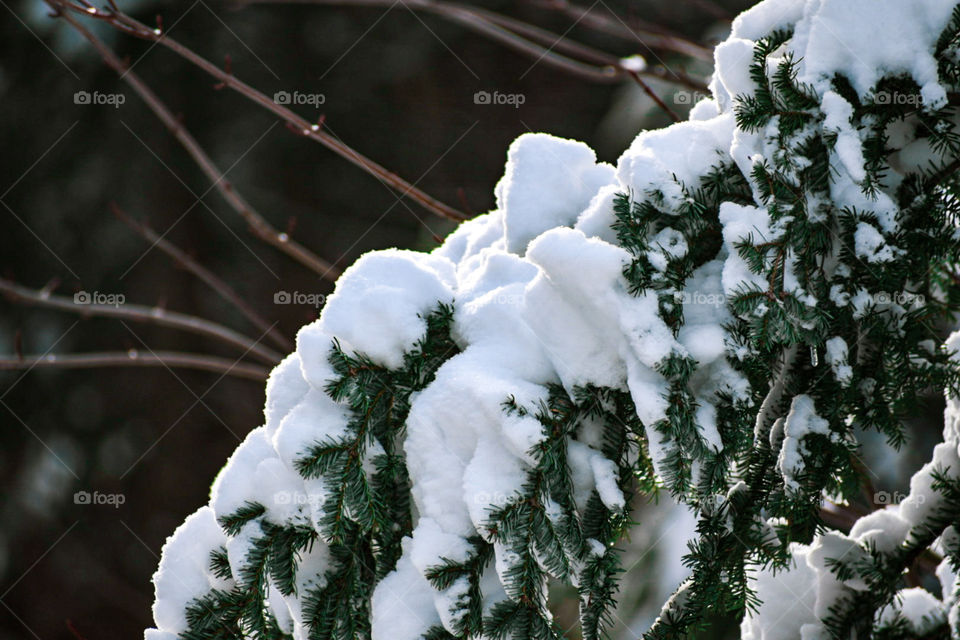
(138,313)
(713,8)
(134,358)
(657,99)
(659,39)
(540,44)
(123,22)
(209,278)
(500,29)
(256,222)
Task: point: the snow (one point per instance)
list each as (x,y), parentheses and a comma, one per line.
(285,388)
(547,183)
(379,304)
(597,219)
(802,421)
(634,63)
(826,45)
(884,528)
(764,17)
(870,245)
(837,115)
(605,476)
(683,152)
(732,78)
(402,606)
(788,599)
(837,357)
(915,605)
(184,572)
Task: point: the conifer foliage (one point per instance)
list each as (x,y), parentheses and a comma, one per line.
(718,317)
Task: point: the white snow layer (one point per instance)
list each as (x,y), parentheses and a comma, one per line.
(539,297)
(796,600)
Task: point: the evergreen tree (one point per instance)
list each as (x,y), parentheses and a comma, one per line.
(718,318)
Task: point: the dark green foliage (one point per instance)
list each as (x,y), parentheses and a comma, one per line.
(235,521)
(224,614)
(364,518)
(340,608)
(779,96)
(889,313)
(470,620)
(543,528)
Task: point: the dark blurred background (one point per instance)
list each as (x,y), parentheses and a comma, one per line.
(398,87)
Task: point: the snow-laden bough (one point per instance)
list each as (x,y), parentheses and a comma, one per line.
(717,316)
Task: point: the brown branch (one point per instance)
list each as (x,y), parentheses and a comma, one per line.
(594,65)
(657,99)
(139,313)
(838,516)
(256,222)
(654,39)
(209,278)
(134,358)
(499,31)
(119,20)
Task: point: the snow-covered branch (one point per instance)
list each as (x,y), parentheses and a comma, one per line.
(719,316)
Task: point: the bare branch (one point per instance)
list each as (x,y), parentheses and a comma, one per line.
(502,29)
(657,99)
(127,24)
(256,222)
(593,65)
(134,358)
(655,39)
(139,313)
(209,278)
